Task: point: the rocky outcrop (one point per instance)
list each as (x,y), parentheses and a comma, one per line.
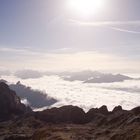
(117,109)
(97,114)
(136,110)
(10,103)
(103,110)
(65,114)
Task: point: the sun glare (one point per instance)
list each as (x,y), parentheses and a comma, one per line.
(86,7)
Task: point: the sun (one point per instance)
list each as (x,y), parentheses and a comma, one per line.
(86,7)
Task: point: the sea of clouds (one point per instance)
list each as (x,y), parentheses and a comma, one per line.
(85,95)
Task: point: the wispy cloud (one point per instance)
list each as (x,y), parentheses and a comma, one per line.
(21,51)
(70,61)
(106,23)
(124,30)
(6,49)
(111,25)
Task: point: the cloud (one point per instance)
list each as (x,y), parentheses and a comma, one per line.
(4,72)
(86,95)
(127,86)
(79,60)
(124,30)
(6,49)
(24,51)
(106,23)
(27,74)
(126,89)
(111,25)
(93,77)
(25,101)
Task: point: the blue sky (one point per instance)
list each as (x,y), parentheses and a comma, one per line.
(30,29)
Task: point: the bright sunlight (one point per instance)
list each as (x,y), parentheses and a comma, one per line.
(86,7)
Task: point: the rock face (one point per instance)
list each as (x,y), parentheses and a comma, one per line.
(97,114)
(136,110)
(10,103)
(67,114)
(117,109)
(103,110)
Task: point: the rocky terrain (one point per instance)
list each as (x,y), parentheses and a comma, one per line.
(19,122)
(10,104)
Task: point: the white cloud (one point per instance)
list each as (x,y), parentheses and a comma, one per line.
(111,25)
(25,101)
(124,30)
(85,95)
(21,51)
(106,23)
(70,61)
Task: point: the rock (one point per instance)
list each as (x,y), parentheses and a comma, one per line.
(136,110)
(2,80)
(91,114)
(67,114)
(103,110)
(135,119)
(18,137)
(10,103)
(70,122)
(97,115)
(116,109)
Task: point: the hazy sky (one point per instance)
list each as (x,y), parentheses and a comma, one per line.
(49,34)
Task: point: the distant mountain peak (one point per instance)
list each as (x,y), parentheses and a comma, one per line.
(94,77)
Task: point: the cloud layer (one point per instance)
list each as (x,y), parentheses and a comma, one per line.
(27,74)
(61,61)
(86,95)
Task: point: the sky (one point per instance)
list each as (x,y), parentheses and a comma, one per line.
(53,35)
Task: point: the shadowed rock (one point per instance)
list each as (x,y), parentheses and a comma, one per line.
(98,115)
(10,103)
(136,110)
(117,108)
(69,114)
(103,110)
